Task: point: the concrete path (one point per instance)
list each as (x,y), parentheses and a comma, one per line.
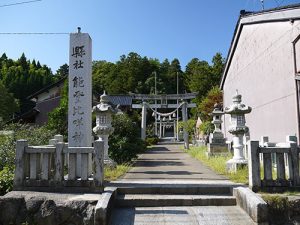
(169,162)
(167,166)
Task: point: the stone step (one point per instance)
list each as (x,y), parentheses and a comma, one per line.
(177,190)
(184,215)
(146,200)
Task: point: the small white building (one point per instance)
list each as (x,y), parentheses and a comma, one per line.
(263,64)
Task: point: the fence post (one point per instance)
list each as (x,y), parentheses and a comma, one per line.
(20,169)
(59,163)
(295,163)
(263,140)
(99,163)
(59,138)
(254,165)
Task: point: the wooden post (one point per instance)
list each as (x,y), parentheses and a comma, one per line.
(59,162)
(99,163)
(254,165)
(19,170)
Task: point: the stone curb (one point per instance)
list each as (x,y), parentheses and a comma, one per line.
(104,207)
(252,204)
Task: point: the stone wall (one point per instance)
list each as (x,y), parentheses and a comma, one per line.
(46,209)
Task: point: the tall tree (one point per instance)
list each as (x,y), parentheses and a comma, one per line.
(8,103)
(22,78)
(62,71)
(202,77)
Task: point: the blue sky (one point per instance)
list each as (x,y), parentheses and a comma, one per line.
(182,29)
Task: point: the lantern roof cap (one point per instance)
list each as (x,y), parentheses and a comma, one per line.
(217,110)
(104,98)
(237,107)
(105,105)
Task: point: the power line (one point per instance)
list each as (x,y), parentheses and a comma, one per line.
(33,33)
(19,3)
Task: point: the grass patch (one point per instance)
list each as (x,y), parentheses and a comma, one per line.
(218,164)
(111,174)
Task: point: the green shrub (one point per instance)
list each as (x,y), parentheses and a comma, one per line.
(152,140)
(111,174)
(278,207)
(35,136)
(6,180)
(7,152)
(124,143)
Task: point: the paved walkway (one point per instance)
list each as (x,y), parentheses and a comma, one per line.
(168,166)
(169,162)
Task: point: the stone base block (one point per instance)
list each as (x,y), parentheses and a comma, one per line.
(233,165)
(216,149)
(252,204)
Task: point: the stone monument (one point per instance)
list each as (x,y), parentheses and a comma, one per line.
(103,128)
(237,128)
(80,96)
(217,145)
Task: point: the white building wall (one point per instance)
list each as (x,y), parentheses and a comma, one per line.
(262,69)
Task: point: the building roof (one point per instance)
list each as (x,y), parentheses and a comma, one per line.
(47,88)
(285,13)
(122,100)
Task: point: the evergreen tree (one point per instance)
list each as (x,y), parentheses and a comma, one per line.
(8,103)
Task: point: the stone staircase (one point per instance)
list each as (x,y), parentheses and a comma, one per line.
(185,204)
(175,196)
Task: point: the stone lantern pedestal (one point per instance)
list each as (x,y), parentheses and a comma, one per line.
(103,128)
(238,129)
(217,145)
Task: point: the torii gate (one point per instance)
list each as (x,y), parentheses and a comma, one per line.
(161,102)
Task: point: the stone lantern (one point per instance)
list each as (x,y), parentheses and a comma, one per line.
(103,128)
(217,143)
(238,129)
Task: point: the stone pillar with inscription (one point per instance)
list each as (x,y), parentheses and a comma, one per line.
(80,96)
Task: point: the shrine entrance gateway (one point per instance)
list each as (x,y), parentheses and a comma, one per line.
(165,120)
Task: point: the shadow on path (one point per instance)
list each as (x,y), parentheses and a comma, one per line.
(170,162)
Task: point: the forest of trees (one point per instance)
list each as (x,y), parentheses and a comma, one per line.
(21,78)
(132,73)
